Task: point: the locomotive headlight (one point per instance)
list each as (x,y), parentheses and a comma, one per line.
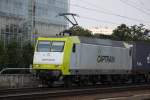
(56,65)
(36,65)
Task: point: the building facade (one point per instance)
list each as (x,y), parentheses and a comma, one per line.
(28,19)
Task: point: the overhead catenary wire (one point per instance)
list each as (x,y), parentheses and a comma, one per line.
(135,7)
(99,20)
(108,10)
(107,13)
(142,5)
(93,19)
(140,2)
(133,2)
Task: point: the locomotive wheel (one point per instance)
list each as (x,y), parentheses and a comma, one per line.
(104,79)
(67,81)
(93,80)
(50,83)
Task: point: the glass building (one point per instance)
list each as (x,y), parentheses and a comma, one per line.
(19,17)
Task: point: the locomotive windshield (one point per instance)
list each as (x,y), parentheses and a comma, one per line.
(50,46)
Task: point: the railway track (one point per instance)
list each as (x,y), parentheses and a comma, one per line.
(41,93)
(27,90)
(21,90)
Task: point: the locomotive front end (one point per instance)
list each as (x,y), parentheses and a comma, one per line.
(48,61)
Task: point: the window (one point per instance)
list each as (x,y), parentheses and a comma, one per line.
(57,46)
(43,46)
(130,52)
(50,46)
(74,48)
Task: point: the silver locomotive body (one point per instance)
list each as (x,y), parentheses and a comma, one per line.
(98,56)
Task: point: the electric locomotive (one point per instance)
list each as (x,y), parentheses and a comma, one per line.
(81,60)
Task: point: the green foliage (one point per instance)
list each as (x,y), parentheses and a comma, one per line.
(27,53)
(79,31)
(1,51)
(102,36)
(139,33)
(133,33)
(1,54)
(14,56)
(122,33)
(14,53)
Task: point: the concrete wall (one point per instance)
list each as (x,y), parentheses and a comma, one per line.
(18,81)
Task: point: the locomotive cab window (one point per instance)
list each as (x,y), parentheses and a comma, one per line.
(57,47)
(130,52)
(50,46)
(43,46)
(74,48)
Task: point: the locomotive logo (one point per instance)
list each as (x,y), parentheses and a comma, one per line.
(105,58)
(48,54)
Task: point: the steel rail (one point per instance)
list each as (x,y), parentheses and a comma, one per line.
(6,69)
(70,92)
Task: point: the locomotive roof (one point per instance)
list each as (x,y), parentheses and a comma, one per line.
(105,42)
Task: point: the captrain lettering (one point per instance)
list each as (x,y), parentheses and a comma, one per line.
(105,59)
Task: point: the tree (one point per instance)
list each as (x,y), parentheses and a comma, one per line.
(14,55)
(122,33)
(1,54)
(79,31)
(1,51)
(12,50)
(102,36)
(139,33)
(27,53)
(133,33)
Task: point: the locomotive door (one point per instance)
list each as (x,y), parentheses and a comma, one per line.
(75,56)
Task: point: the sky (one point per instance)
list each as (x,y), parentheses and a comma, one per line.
(111,13)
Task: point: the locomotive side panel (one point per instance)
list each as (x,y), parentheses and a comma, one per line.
(100,59)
